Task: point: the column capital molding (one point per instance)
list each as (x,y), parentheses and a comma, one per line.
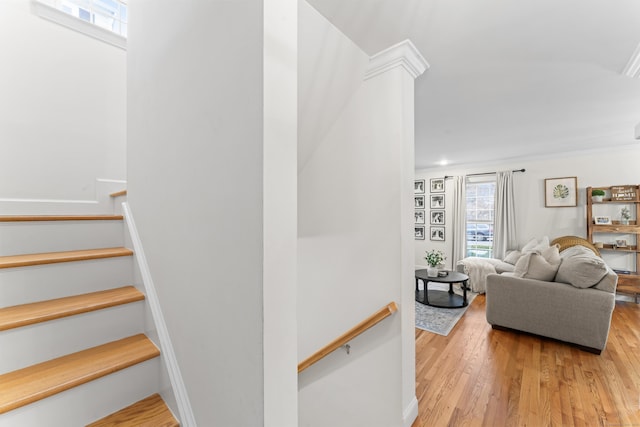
(403,54)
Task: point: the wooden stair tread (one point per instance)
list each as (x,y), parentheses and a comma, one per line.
(28,314)
(148,412)
(56,257)
(119,193)
(32,218)
(45,379)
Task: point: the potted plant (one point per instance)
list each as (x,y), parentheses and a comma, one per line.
(434,259)
(625,216)
(597,195)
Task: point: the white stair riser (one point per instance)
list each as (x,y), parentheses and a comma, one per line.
(18,238)
(23,285)
(89,402)
(28,345)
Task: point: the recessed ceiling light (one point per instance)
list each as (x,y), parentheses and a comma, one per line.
(443,162)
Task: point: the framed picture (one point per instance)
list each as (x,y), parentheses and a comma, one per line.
(419,233)
(437,185)
(437,201)
(420,217)
(601,220)
(418,202)
(437,217)
(437,233)
(418,186)
(561,192)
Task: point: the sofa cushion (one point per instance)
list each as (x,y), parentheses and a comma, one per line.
(540,265)
(512,257)
(536,245)
(581,268)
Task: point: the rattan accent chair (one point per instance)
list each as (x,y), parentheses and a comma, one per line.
(565,242)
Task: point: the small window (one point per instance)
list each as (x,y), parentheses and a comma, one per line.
(105,20)
(480,216)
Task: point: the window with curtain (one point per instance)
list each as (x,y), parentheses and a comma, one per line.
(480,203)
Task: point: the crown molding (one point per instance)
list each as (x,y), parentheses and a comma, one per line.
(403,54)
(632,69)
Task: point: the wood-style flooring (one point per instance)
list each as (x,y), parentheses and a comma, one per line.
(478,376)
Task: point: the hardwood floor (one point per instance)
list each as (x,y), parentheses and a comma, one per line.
(478,376)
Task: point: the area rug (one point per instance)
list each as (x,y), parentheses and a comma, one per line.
(440,320)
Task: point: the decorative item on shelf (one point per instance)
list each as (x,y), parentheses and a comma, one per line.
(598,245)
(625,215)
(623,192)
(597,195)
(601,220)
(621,243)
(434,259)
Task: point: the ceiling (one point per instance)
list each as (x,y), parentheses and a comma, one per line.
(508,79)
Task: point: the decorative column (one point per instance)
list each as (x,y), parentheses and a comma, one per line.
(396,69)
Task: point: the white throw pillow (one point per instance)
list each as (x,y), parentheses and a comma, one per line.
(536,245)
(581,268)
(539,265)
(512,257)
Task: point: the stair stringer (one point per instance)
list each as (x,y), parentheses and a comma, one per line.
(177,397)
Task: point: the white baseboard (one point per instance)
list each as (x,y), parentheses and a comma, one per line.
(187,419)
(102,203)
(410,413)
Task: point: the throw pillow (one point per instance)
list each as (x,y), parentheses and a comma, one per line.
(512,257)
(536,245)
(539,265)
(581,269)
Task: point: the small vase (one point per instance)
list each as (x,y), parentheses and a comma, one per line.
(624,221)
(432,271)
(597,198)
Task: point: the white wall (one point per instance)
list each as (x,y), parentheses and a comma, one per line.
(62,109)
(354,189)
(605,168)
(212,187)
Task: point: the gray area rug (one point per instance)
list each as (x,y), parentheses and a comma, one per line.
(440,320)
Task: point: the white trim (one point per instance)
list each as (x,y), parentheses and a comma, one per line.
(403,54)
(632,69)
(59,17)
(101,204)
(187,418)
(637,131)
(114,181)
(410,413)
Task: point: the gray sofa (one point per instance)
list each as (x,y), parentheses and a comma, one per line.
(575,307)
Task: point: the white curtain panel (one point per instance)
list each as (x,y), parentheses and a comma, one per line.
(504,233)
(459,227)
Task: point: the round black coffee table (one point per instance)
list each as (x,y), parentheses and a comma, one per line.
(443,299)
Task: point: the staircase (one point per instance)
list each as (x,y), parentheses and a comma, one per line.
(73,349)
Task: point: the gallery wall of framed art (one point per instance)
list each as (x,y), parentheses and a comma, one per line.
(435,217)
